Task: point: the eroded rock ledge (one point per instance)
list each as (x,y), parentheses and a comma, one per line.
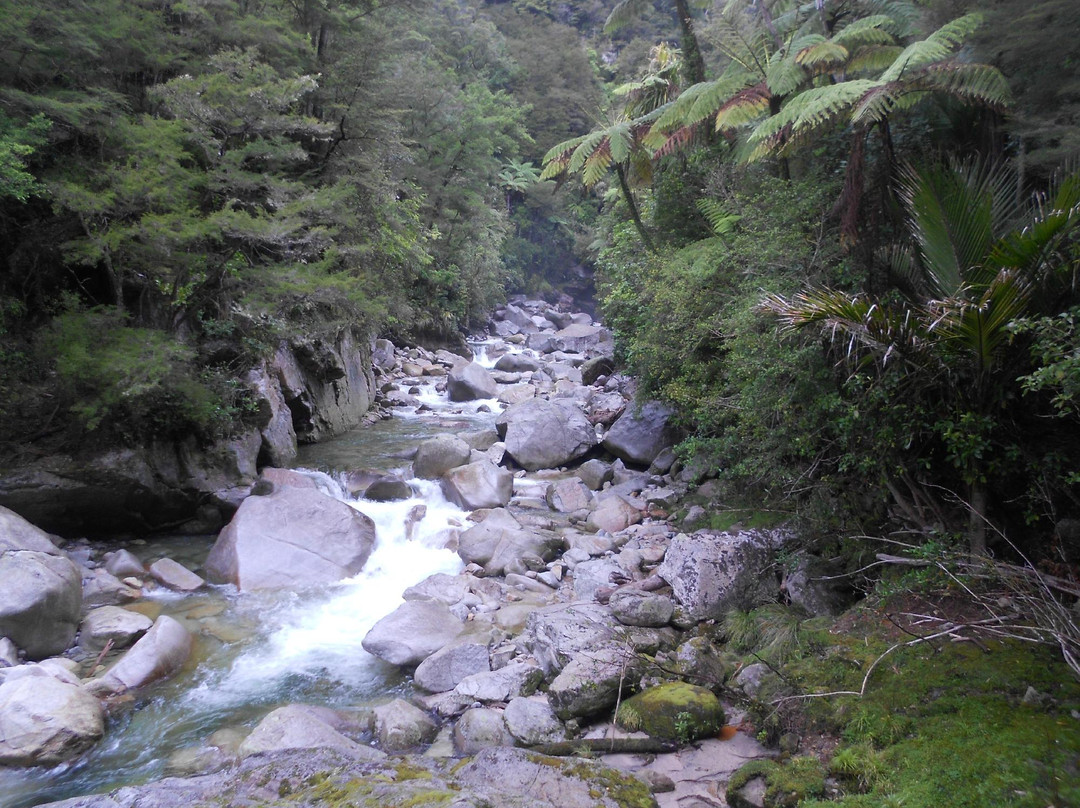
(312,389)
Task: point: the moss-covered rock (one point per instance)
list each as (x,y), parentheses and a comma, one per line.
(673,711)
(785,784)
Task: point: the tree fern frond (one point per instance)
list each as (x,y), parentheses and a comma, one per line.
(624,13)
(873,58)
(620,141)
(664,143)
(784,76)
(983,84)
(720,219)
(872,30)
(743,108)
(813,108)
(822,55)
(589,144)
(565,148)
(596,165)
(935,48)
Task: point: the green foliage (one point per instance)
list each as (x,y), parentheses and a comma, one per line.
(17,145)
(134,380)
(759,407)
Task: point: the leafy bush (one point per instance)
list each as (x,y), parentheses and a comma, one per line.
(135,381)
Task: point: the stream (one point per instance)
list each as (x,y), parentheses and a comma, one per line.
(256,651)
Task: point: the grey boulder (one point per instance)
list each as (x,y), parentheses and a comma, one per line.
(158,654)
(467,382)
(541,434)
(292,538)
(437,456)
(40,589)
(44,721)
(478,485)
(639,435)
(412,632)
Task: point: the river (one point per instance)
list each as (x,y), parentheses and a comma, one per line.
(256,651)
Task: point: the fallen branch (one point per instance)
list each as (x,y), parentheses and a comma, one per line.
(606,746)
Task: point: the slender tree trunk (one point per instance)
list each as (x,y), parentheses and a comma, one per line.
(634,214)
(977,519)
(693,62)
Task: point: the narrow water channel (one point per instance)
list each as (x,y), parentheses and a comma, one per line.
(256,651)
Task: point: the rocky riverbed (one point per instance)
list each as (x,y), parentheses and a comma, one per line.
(575,619)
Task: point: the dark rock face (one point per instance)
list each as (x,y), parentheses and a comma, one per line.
(311,390)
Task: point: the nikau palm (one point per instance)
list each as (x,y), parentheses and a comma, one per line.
(973,266)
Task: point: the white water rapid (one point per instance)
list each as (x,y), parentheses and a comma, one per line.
(256,651)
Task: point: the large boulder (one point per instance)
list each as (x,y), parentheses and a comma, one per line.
(298,726)
(541,434)
(592,681)
(519,677)
(467,382)
(399,726)
(293,537)
(674,711)
(443,670)
(815,586)
(412,632)
(480,728)
(40,589)
(613,514)
(160,653)
(639,435)
(438,455)
(635,607)
(478,485)
(567,496)
(712,573)
(44,721)
(581,338)
(517,363)
(531,721)
(112,624)
(555,634)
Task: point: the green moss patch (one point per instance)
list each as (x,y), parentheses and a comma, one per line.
(674,711)
(786,784)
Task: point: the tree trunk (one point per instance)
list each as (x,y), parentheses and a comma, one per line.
(977,519)
(625,186)
(693,62)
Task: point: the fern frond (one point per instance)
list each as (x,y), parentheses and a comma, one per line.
(873,58)
(982,84)
(596,165)
(867,31)
(664,143)
(589,144)
(935,48)
(813,108)
(720,219)
(620,141)
(564,149)
(784,76)
(822,55)
(624,13)
(743,108)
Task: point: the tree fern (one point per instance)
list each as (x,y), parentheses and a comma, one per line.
(721,221)
(624,13)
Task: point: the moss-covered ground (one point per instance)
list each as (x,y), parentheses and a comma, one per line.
(972,724)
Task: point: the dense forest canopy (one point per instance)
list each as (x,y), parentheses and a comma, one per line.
(839,236)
